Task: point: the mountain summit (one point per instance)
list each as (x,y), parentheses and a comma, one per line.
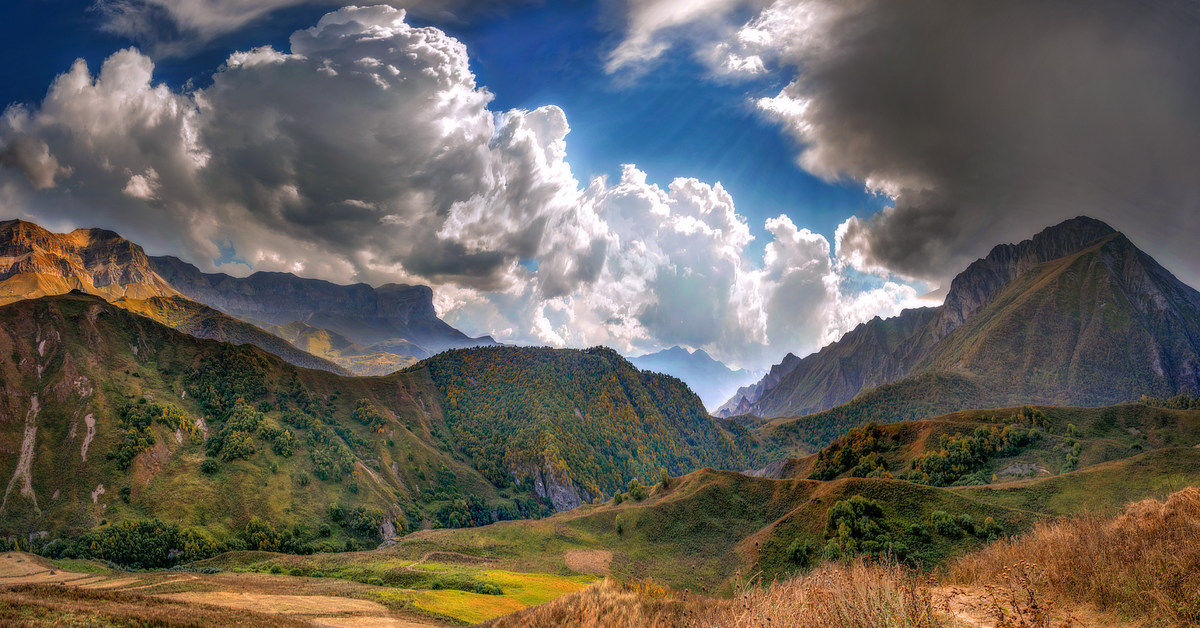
(35,262)
(1075,315)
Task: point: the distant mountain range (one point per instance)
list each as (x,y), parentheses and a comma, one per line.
(359,312)
(1076,315)
(711,379)
(315,324)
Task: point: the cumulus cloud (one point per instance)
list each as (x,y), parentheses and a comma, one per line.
(985,121)
(367,152)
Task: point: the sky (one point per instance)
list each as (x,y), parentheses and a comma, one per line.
(747,177)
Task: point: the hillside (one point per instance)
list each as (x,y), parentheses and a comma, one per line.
(711,380)
(201,321)
(1076,315)
(112,418)
(579,423)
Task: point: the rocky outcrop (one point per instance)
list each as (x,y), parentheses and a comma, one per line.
(554,485)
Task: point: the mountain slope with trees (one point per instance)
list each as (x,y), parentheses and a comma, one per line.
(110,418)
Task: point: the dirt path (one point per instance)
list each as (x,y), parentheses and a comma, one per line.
(972,607)
(450,557)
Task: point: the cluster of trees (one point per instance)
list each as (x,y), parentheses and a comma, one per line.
(1178,402)
(858,450)
(134,421)
(235,440)
(960,458)
(858,527)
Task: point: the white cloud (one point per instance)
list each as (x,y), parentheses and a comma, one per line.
(367,152)
(648,33)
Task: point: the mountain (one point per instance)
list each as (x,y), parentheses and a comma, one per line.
(108,417)
(1075,315)
(35,262)
(709,378)
(865,357)
(363,314)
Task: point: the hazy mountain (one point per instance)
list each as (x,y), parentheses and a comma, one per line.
(1075,315)
(711,379)
(361,313)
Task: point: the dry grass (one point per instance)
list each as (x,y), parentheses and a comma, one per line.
(1142,565)
(41,605)
(855,595)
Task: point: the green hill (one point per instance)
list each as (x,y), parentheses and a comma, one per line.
(111,418)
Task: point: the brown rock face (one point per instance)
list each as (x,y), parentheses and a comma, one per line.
(35,262)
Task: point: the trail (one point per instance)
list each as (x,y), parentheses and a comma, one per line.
(973,607)
(466,558)
(25,462)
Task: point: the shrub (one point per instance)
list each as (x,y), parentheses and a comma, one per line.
(945,524)
(636,490)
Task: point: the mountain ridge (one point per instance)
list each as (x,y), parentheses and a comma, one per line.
(1125,275)
(360,312)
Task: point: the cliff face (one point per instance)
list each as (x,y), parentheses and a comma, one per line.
(35,262)
(361,313)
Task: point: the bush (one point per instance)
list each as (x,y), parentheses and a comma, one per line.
(800,552)
(209,467)
(636,490)
(620,525)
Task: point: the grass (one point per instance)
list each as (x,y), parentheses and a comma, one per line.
(848,595)
(1143,564)
(468,607)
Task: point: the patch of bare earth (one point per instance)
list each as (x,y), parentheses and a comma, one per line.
(596,562)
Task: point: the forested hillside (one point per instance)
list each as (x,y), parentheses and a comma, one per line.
(111,420)
(581,423)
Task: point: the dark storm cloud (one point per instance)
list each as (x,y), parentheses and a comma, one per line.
(989,120)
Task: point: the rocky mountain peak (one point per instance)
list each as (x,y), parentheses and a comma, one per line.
(36,262)
(974,287)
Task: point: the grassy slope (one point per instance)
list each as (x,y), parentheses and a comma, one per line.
(710,524)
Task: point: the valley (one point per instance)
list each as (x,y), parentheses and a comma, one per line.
(160,453)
